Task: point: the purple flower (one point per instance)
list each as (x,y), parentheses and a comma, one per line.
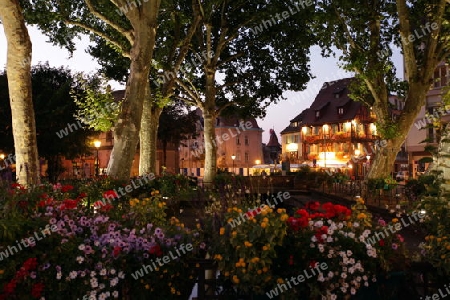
(394,246)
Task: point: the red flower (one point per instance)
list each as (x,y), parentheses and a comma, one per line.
(66,188)
(82,195)
(36,290)
(110,194)
(313,205)
(312,264)
(30,264)
(156,250)
(10,287)
(291,260)
(45,202)
(381,243)
(117,251)
(68,204)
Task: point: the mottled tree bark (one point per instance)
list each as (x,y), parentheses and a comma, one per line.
(149,137)
(19,85)
(126,133)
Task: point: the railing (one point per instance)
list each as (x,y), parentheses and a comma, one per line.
(385,196)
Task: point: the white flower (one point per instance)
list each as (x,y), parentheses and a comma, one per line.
(114,281)
(80,259)
(103,272)
(112,271)
(352,291)
(73,274)
(319,223)
(94,282)
(344,275)
(312,245)
(93,273)
(351,235)
(115,294)
(121,275)
(313,239)
(349,252)
(58,275)
(329,239)
(81,247)
(356,224)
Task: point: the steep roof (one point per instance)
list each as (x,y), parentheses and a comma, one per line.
(299,118)
(273,140)
(333,95)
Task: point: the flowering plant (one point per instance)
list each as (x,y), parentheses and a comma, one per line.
(245,247)
(330,234)
(99,253)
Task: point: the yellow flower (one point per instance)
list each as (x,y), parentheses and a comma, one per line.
(263,224)
(361,216)
(394,220)
(281,210)
(265,220)
(438,240)
(218,257)
(226,274)
(280,280)
(222,231)
(235,279)
(1,272)
(259,272)
(448,248)
(248,244)
(255,259)
(147,287)
(284,217)
(265,248)
(265,269)
(234,233)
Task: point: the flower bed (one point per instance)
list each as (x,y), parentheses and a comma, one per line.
(65,241)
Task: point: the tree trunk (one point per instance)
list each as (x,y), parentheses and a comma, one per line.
(210,146)
(126,133)
(149,137)
(19,85)
(382,164)
(209,127)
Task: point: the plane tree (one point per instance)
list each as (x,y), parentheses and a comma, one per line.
(176,27)
(19,86)
(130,27)
(58,133)
(367,32)
(246,53)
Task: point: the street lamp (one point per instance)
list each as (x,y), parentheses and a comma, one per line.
(97,145)
(257,161)
(233,157)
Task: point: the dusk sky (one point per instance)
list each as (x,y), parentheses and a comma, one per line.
(278,115)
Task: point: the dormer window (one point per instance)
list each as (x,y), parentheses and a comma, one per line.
(317,114)
(340,111)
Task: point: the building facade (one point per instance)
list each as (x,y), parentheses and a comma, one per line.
(335,132)
(421,133)
(239,146)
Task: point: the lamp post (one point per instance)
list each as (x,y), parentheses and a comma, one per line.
(97,145)
(233,157)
